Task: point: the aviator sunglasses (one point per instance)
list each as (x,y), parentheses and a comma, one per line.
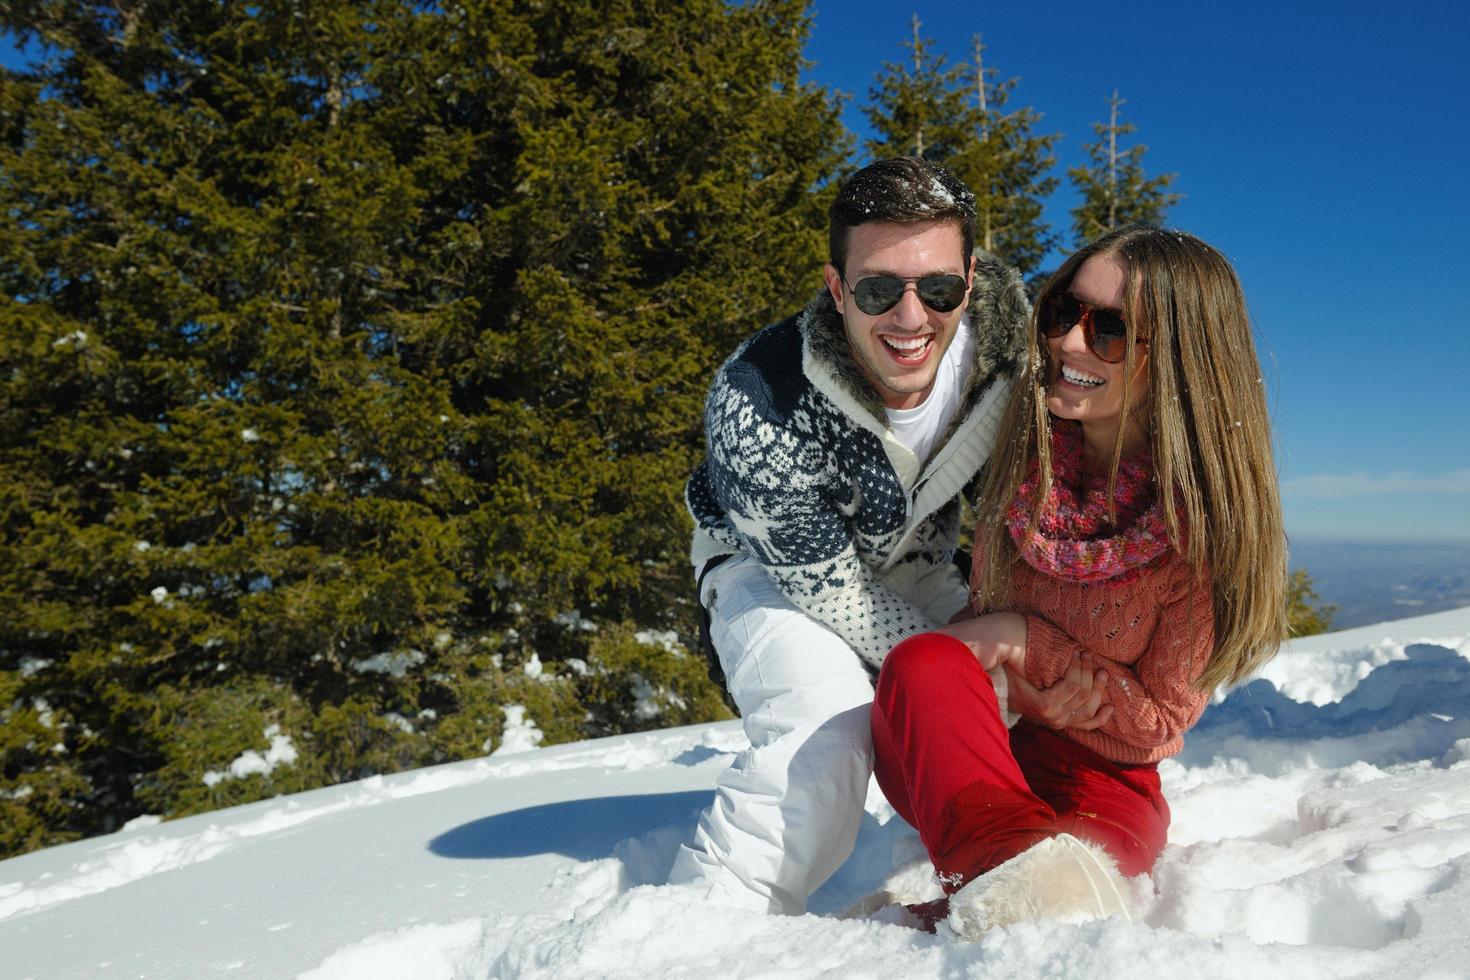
(1104,330)
(875,295)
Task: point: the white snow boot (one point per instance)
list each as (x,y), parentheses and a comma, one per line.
(1060,878)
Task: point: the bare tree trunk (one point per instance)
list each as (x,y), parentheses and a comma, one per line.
(131,18)
(987,238)
(918,67)
(336,96)
(1113,105)
(980,86)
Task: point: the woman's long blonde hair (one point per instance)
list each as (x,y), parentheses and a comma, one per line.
(1208,429)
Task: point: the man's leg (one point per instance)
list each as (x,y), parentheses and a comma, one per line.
(786,813)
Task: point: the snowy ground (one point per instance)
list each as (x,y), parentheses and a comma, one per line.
(1321,829)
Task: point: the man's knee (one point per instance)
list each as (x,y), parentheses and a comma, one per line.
(804,715)
(799,682)
(852,725)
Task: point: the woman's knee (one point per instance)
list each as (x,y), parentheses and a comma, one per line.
(925,660)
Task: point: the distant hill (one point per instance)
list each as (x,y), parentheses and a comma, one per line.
(1374,583)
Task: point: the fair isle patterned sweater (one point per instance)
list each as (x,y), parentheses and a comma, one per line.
(803,474)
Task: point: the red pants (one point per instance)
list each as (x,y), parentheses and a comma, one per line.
(979,794)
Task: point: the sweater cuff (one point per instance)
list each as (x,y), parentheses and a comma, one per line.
(1002,685)
(1048,652)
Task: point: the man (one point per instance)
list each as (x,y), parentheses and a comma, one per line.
(827,512)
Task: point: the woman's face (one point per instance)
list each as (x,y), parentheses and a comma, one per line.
(1082,385)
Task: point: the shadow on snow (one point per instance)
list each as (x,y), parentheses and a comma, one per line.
(585,830)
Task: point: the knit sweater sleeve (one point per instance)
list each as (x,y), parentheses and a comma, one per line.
(840,593)
(1154,700)
(773,479)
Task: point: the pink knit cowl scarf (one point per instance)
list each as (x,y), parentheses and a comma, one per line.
(1075,540)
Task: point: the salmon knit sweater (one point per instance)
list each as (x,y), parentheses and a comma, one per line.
(1153,636)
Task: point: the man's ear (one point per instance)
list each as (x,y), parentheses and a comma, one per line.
(834,285)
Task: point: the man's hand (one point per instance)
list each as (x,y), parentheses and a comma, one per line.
(994,638)
(1078,700)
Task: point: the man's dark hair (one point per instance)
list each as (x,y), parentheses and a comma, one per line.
(903,190)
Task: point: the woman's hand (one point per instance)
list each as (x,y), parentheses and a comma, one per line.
(1078,700)
(994,638)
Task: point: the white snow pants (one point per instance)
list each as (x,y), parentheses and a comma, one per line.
(786,813)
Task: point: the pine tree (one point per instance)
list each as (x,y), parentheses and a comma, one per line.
(228,498)
(1113,188)
(919,106)
(347,349)
(1008,167)
(656,205)
(955,115)
(1305,613)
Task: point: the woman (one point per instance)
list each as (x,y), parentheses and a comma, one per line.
(1114,606)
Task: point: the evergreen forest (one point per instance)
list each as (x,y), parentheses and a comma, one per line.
(352,359)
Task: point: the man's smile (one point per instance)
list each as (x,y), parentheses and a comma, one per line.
(908,348)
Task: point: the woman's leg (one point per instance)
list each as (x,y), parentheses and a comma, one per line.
(943,759)
(1119,807)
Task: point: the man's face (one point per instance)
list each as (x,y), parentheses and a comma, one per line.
(899,350)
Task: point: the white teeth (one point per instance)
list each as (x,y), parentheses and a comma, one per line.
(909,345)
(1079,377)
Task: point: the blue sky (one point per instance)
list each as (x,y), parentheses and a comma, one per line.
(1321,147)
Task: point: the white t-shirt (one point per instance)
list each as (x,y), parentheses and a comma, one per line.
(921,427)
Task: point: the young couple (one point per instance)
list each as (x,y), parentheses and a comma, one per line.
(1129,556)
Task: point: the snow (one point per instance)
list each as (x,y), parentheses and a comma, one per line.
(33,665)
(666,640)
(282,752)
(648,698)
(574,620)
(939,191)
(1321,830)
(394,664)
(146,820)
(520,733)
